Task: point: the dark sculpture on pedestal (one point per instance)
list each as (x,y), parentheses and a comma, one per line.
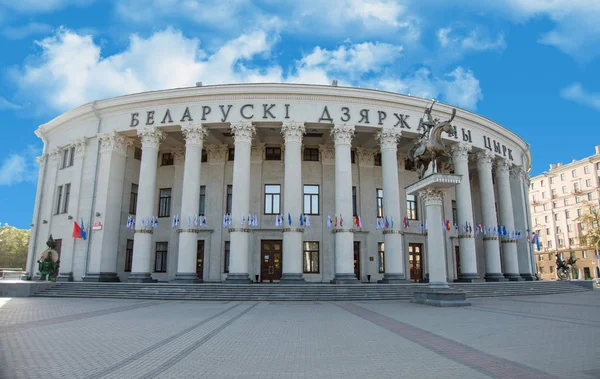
(563,268)
(48,262)
(429,147)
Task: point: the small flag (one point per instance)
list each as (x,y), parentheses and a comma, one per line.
(387,223)
(426,225)
(329,222)
(421,227)
(359,222)
(289,219)
(392,221)
(83,233)
(301,220)
(76,230)
(334,220)
(341,220)
(308,221)
(377,223)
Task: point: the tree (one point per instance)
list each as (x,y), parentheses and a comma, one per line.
(14,243)
(591,221)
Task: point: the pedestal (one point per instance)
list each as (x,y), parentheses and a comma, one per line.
(431,189)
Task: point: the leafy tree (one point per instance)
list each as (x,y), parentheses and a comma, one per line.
(13,246)
(591,220)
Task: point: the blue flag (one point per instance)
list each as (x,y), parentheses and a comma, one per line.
(83,234)
(289,219)
(301,220)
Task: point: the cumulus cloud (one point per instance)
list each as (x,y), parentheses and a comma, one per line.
(456,40)
(575,92)
(459,87)
(18,168)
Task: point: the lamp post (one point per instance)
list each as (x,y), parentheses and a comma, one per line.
(598,259)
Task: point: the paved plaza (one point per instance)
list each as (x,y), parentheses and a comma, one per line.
(508,337)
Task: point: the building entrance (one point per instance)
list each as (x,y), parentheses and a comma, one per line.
(200,260)
(357,260)
(415,259)
(270,266)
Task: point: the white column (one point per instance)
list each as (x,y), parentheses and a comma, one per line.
(70,244)
(142,239)
(344,234)
(507,220)
(521,224)
(190,203)
(292,202)
(104,243)
(239,235)
(493,270)
(466,242)
(436,257)
(393,237)
(31,251)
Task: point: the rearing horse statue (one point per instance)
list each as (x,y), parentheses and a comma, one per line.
(429,147)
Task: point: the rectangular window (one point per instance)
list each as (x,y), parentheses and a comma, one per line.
(575,187)
(542,270)
(552,180)
(272,199)
(567,214)
(311,155)
(204,157)
(577,199)
(381,257)
(572,255)
(229,199)
(59,198)
(354,204)
(164,202)
(553,192)
(549,256)
(311,199)
(552,269)
(540,257)
(566,202)
(564,189)
(558,230)
(574,173)
(454,213)
(133,198)
(549,244)
(556,217)
(561,243)
(379,202)
(411,207)
(542,182)
(202,203)
(547,231)
(137,153)
(72,156)
(584,254)
(231,154)
(128,255)
(579,213)
(167,159)
(545,218)
(590,196)
(569,228)
(555,204)
(352,156)
(226,258)
(378,159)
(571,242)
(273,154)
(543,195)
(160,262)
(65,158)
(588,182)
(67,196)
(311,257)
(586,169)
(562,176)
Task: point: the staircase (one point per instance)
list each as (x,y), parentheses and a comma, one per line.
(289,292)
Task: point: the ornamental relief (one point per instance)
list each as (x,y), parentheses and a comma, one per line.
(178,156)
(257,153)
(293,131)
(114,142)
(151,137)
(484,159)
(432,196)
(516,173)
(366,157)
(342,134)
(243,131)
(327,153)
(217,153)
(460,151)
(502,167)
(80,146)
(388,138)
(194,133)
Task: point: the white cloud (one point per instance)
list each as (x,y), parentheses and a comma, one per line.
(459,87)
(576,93)
(40,6)
(27,30)
(5,104)
(18,168)
(451,40)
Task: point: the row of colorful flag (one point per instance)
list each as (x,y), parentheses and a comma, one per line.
(197,221)
(251,220)
(303,220)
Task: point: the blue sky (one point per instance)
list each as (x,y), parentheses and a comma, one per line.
(531,65)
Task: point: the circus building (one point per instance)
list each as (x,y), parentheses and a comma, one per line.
(276,183)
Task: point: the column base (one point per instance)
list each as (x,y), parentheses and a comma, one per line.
(238,279)
(468,278)
(513,277)
(288,278)
(393,279)
(187,278)
(528,277)
(439,297)
(141,277)
(344,279)
(101,277)
(65,277)
(25,276)
(495,277)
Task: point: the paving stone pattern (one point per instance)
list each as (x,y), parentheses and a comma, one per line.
(550,336)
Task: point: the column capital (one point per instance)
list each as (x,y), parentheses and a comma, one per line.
(54,155)
(293,131)
(342,134)
(178,156)
(217,153)
(460,151)
(327,153)
(516,173)
(484,159)
(388,138)
(80,146)
(243,131)
(432,196)
(502,167)
(194,133)
(366,157)
(151,137)
(257,153)
(114,142)
(41,159)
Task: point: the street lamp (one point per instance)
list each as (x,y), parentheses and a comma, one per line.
(598,258)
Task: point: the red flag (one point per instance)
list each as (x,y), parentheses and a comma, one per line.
(76,230)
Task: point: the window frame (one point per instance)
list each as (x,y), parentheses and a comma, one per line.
(272,153)
(167,159)
(354,201)
(377,159)
(163,256)
(272,196)
(164,209)
(381,257)
(226,256)
(312,254)
(380,210)
(231,154)
(311,197)
(59,190)
(410,210)
(202,201)
(133,196)
(228,198)
(67,195)
(128,255)
(311,153)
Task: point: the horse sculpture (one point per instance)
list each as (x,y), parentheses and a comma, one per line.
(429,147)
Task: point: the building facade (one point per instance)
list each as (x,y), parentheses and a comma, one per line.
(558,200)
(273,182)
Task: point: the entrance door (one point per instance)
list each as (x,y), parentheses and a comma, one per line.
(357,259)
(270,268)
(200,260)
(457,253)
(415,259)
